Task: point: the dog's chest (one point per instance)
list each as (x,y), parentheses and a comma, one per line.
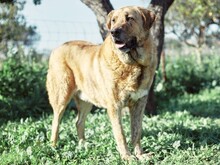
(136,85)
(138,94)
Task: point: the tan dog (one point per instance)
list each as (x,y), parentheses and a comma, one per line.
(113,75)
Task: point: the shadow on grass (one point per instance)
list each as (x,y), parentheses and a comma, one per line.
(188,137)
(14,110)
(198,108)
(209,108)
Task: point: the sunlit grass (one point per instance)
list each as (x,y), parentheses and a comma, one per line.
(186,131)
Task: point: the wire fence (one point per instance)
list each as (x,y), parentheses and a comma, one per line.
(55,32)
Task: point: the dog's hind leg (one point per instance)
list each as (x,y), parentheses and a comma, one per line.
(60,87)
(83,109)
(55,124)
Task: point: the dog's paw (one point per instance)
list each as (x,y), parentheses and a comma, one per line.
(128,157)
(145,156)
(81,142)
(53,144)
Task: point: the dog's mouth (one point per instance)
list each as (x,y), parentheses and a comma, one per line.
(126,46)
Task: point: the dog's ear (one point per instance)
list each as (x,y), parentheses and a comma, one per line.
(148,17)
(109,17)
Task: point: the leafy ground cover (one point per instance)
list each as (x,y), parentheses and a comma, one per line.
(186,131)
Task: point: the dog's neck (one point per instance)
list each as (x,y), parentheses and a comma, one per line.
(136,56)
(144,52)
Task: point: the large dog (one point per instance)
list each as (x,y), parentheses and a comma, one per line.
(113,75)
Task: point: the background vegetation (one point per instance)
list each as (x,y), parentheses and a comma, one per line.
(185,131)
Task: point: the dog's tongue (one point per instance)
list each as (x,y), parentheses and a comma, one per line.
(120,45)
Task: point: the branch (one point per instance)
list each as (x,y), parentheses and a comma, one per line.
(101,8)
(7,1)
(36,2)
(157,5)
(190,44)
(184,40)
(213,20)
(160,7)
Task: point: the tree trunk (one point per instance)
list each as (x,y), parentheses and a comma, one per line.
(163,65)
(101,8)
(160,7)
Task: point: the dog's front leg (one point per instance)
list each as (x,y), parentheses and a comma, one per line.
(115,118)
(136,114)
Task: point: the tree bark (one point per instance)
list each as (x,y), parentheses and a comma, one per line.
(163,65)
(160,7)
(101,8)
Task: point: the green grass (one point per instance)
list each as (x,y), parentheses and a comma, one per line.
(186,131)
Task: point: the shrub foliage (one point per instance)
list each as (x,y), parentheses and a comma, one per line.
(186,75)
(22,88)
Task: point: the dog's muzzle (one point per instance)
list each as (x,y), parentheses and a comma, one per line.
(121,43)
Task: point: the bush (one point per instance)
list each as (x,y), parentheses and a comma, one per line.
(22,89)
(185,75)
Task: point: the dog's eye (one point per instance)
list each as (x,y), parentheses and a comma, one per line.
(129,18)
(113,20)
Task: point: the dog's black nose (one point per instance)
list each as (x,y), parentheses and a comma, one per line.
(116,32)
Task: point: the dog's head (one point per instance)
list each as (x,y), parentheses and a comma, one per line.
(129,26)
